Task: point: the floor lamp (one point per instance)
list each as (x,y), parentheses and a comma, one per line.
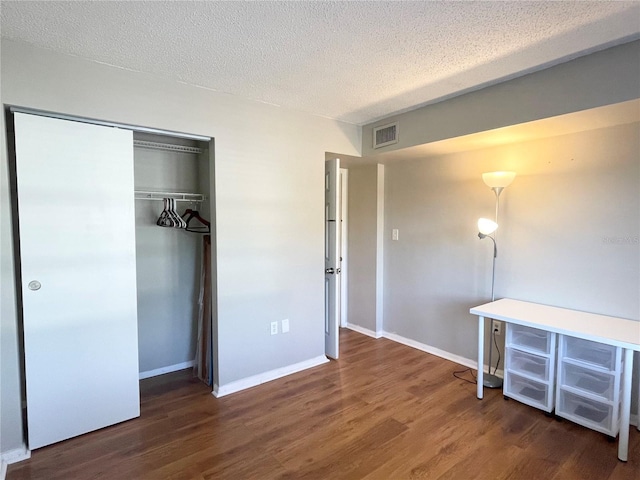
(497,181)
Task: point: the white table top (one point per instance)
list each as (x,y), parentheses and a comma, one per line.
(620,332)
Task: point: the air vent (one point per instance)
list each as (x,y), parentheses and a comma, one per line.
(385,135)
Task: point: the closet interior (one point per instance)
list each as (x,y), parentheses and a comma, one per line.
(173,254)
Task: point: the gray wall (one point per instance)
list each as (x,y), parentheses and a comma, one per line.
(602,78)
(10,411)
(168,260)
(269,189)
(572,193)
(362,248)
(568,236)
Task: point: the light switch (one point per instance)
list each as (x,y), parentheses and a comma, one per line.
(394,234)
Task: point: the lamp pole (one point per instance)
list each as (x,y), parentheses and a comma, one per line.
(491,380)
(497,181)
(497,191)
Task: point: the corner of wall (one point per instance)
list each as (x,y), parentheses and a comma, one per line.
(255,380)
(380,248)
(15,455)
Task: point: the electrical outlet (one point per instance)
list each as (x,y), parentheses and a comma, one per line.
(285,325)
(497,327)
(274,328)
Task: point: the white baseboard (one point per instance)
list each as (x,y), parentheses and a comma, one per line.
(14,456)
(255,380)
(163,370)
(467,362)
(364,331)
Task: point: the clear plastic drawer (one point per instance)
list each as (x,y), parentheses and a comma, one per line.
(528,391)
(528,364)
(528,338)
(589,413)
(592,353)
(587,380)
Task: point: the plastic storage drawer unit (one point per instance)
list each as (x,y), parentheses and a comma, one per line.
(529,374)
(589,384)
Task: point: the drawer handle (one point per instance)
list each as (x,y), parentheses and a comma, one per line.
(538,362)
(593,376)
(592,407)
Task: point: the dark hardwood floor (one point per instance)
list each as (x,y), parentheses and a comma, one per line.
(383,411)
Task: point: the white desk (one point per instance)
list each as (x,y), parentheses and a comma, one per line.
(615,331)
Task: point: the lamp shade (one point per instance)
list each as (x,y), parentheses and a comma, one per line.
(486,226)
(498,179)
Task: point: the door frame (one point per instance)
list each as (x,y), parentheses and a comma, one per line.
(344,237)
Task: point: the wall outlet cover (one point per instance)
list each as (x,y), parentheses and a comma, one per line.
(497,327)
(274,328)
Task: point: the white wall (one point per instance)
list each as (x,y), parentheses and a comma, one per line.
(269,189)
(568,236)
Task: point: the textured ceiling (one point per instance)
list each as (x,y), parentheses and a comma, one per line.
(352,61)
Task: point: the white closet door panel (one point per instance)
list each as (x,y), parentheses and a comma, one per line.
(77,239)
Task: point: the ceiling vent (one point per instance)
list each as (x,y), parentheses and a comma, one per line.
(385,135)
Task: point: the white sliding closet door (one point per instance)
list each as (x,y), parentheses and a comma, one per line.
(77,250)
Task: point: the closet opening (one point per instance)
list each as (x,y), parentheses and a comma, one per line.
(173,223)
(111,297)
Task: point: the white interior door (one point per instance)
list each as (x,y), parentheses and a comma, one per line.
(332,258)
(77,252)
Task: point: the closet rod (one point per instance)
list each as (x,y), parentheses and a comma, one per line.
(177,196)
(166,146)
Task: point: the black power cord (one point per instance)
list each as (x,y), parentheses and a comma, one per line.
(497,349)
(458,373)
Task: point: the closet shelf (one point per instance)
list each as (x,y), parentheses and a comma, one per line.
(166,146)
(177,196)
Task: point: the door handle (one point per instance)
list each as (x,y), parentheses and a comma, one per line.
(329,270)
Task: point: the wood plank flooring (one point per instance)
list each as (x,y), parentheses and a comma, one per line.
(383,411)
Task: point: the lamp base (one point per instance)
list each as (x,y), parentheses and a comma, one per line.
(491,381)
